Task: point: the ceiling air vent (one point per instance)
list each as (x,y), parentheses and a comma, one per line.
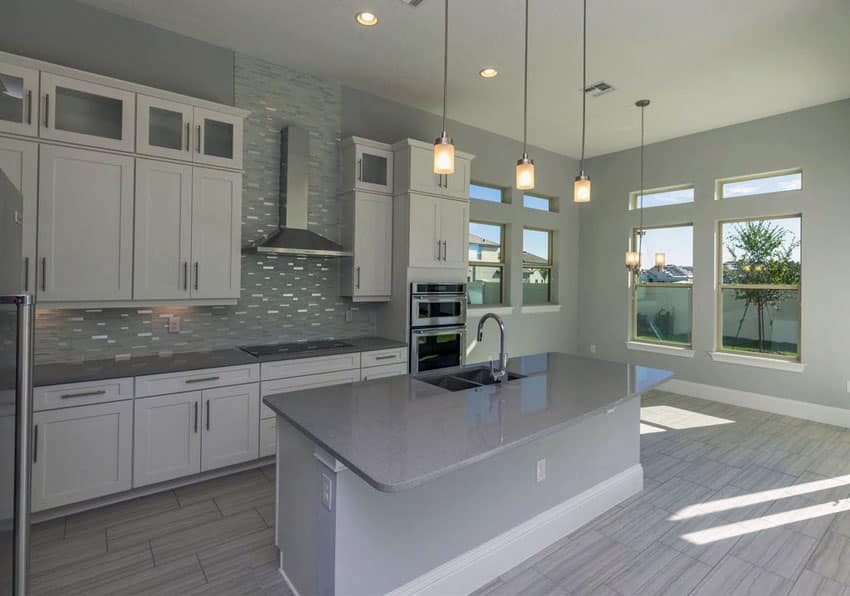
(413,3)
(600,88)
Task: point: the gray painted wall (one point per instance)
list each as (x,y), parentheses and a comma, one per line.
(816,139)
(71,34)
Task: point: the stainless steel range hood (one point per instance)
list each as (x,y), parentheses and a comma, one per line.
(293,237)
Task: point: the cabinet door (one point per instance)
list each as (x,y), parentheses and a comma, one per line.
(163,230)
(457,185)
(88,114)
(18,100)
(166,437)
(373,245)
(374,169)
(19,162)
(454,230)
(422,176)
(231,432)
(85,225)
(81,453)
(218,139)
(216,233)
(424,247)
(164,128)
(268,436)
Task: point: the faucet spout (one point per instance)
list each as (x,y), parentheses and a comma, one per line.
(500,371)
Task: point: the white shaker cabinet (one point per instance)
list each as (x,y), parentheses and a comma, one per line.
(85,113)
(218,139)
(18,100)
(19,162)
(438,231)
(454,230)
(366,165)
(166,437)
(414,171)
(164,128)
(81,453)
(231,433)
(368,233)
(85,225)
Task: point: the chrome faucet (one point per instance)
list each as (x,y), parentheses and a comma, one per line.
(500,373)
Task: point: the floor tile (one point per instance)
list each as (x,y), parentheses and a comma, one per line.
(636,527)
(101,518)
(812,584)
(62,552)
(663,467)
(49,531)
(528,583)
(173,578)
(734,577)
(778,550)
(84,575)
(232,557)
(219,487)
(831,558)
(709,473)
(659,570)
(168,547)
(176,521)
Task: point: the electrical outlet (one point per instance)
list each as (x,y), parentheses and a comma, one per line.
(349,316)
(327,494)
(174,324)
(541,470)
(592,348)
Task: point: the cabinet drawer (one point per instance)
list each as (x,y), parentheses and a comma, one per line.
(268,436)
(387,370)
(81,394)
(305,382)
(284,369)
(195,380)
(383,357)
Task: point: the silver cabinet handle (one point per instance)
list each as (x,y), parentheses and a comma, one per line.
(439,252)
(188,136)
(35,443)
(197,275)
(196,417)
(83,394)
(43,274)
(185,276)
(26,274)
(445,250)
(360,169)
(357,270)
(46,110)
(208,414)
(199,138)
(387,357)
(29,106)
(201,380)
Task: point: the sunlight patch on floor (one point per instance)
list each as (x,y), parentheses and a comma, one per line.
(648,429)
(678,418)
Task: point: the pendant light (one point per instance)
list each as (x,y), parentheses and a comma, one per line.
(581,187)
(633,257)
(525,166)
(444,149)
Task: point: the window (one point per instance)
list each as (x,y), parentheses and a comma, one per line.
(481,192)
(485,275)
(536,266)
(759,289)
(537,202)
(662,197)
(662,296)
(759,184)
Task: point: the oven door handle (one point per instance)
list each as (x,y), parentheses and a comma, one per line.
(440,331)
(442,298)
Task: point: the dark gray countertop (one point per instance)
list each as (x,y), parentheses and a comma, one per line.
(399,432)
(93,370)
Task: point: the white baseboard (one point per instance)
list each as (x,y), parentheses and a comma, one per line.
(289,583)
(758,401)
(475,568)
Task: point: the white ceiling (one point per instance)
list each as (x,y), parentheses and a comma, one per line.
(703,63)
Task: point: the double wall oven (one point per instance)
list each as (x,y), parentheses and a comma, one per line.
(437,325)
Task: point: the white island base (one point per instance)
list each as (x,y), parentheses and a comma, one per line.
(454,533)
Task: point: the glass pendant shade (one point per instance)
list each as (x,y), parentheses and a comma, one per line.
(444,156)
(525,174)
(581,189)
(660,260)
(632,259)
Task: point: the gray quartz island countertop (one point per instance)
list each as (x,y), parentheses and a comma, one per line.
(399,432)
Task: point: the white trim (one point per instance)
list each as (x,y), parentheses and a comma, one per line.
(757,401)
(535,308)
(474,568)
(286,578)
(660,349)
(476,312)
(758,361)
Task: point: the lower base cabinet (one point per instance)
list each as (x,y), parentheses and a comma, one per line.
(231,434)
(81,453)
(268,437)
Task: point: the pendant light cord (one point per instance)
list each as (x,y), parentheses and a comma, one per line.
(583,83)
(640,238)
(525,91)
(445,63)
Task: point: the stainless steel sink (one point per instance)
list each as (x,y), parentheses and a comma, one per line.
(465,379)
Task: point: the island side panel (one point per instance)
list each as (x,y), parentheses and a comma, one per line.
(384,540)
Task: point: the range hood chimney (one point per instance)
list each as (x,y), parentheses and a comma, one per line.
(293,237)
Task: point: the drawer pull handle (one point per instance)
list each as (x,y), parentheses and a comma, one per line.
(387,357)
(201,380)
(83,394)
(35,444)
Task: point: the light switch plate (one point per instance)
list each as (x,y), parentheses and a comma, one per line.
(327,492)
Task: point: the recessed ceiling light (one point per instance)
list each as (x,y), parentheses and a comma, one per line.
(488,73)
(367,19)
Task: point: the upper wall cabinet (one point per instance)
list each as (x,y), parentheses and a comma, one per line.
(19,162)
(414,171)
(366,165)
(18,100)
(85,113)
(218,139)
(164,128)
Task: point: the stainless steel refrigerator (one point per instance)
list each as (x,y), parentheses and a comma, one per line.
(16,332)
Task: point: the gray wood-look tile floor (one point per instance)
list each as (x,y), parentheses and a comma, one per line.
(736,502)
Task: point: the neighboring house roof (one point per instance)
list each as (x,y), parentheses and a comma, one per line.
(670,274)
(528,257)
(473,239)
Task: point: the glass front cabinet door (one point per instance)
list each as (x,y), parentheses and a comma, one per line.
(164,128)
(218,139)
(86,113)
(366,165)
(18,100)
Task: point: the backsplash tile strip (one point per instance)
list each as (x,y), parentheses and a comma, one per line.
(283,299)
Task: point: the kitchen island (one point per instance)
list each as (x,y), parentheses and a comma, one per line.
(400,486)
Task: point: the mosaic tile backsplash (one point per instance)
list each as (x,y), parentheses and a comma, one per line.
(283,299)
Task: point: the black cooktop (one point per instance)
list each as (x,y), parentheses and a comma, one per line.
(294,348)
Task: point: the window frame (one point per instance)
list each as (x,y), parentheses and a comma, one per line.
(718,336)
(501,264)
(635,283)
(721,182)
(553,201)
(635,194)
(503,193)
(550,265)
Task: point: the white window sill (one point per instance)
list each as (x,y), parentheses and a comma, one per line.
(660,349)
(758,361)
(533,308)
(476,312)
